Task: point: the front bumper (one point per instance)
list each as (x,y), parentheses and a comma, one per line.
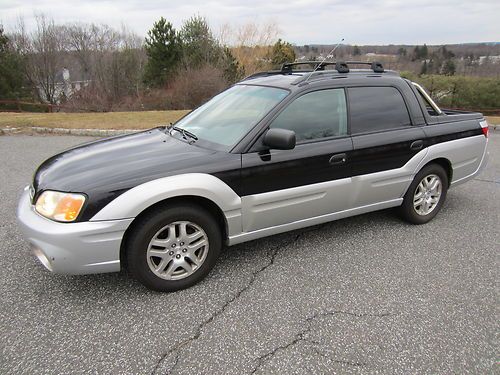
(72,248)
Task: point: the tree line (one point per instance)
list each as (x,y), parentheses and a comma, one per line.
(108,69)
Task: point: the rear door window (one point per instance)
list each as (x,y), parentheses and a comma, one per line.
(376,109)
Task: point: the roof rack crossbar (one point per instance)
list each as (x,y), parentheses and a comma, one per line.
(340,66)
(317,66)
(374,65)
(288,67)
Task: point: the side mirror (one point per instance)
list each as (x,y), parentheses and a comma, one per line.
(279,139)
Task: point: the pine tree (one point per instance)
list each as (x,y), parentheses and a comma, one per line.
(11,70)
(449,68)
(199,46)
(424,52)
(282,52)
(163,48)
(423,69)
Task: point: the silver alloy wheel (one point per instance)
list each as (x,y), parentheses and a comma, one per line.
(177,250)
(427,194)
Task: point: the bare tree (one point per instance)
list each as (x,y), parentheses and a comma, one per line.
(42,50)
(250,43)
(109,61)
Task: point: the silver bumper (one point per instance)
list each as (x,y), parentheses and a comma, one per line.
(72,248)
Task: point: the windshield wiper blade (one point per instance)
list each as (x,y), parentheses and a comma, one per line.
(185,133)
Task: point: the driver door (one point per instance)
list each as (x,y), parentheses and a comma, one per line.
(313,179)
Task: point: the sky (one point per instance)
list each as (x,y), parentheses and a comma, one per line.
(300,21)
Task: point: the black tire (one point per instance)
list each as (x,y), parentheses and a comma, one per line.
(147,227)
(407,209)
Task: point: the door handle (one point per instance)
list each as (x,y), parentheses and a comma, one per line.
(338,159)
(417,145)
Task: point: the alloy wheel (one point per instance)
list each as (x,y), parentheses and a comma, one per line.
(427,194)
(177,250)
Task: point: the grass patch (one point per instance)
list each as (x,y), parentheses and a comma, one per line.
(493,120)
(107,120)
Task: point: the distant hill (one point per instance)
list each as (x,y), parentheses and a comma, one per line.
(473,59)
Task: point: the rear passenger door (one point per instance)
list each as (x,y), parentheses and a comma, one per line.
(384,141)
(313,179)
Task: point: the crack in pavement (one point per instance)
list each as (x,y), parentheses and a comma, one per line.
(300,336)
(199,330)
(486,180)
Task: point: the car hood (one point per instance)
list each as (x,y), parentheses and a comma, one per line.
(106,168)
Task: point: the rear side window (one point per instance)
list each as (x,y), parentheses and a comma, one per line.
(318,114)
(376,108)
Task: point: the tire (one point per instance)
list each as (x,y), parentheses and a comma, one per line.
(165,257)
(420,209)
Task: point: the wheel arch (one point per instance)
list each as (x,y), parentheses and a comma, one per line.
(200,201)
(443,162)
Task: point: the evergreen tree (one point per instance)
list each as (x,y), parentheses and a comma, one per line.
(356,51)
(233,71)
(416,53)
(423,69)
(282,52)
(11,70)
(163,48)
(424,52)
(448,68)
(200,47)
(198,44)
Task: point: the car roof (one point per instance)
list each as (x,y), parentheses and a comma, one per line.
(295,80)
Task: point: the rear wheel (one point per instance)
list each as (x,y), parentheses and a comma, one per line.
(173,248)
(426,195)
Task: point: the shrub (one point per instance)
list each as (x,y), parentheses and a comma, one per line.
(460,91)
(194,86)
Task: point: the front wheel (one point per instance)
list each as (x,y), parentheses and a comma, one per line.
(173,248)
(426,195)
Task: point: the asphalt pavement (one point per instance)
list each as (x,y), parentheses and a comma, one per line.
(365,295)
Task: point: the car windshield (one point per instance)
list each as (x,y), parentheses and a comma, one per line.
(227,117)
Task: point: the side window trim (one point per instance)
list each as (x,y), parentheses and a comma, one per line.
(349,122)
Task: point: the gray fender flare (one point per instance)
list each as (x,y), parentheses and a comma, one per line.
(134,201)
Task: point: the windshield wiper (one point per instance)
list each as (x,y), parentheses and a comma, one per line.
(185,133)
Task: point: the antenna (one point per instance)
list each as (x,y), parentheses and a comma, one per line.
(321,63)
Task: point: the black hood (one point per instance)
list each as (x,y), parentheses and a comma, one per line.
(106,168)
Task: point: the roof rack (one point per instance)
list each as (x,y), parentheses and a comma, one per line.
(374,65)
(318,65)
(340,66)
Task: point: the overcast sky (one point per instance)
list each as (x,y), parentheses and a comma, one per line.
(300,21)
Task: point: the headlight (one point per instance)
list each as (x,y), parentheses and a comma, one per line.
(59,206)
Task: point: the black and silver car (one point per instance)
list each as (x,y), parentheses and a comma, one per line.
(279,151)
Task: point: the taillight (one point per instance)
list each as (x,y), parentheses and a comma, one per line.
(484,127)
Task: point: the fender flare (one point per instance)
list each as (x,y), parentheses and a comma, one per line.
(134,201)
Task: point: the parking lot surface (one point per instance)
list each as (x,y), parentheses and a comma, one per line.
(369,294)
